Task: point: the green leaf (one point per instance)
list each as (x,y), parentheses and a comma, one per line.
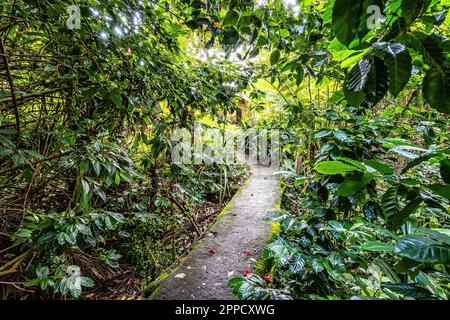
(367,83)
(356,80)
(408,290)
(353,184)
(387,270)
(389,202)
(377,83)
(117,178)
(85,186)
(231,37)
(117,99)
(50,68)
(398,219)
(423,249)
(334,167)
(277,250)
(436,89)
(297,263)
(275,57)
(23,233)
(442,190)
(231,18)
(391,48)
(445,170)
(429,282)
(87,282)
(322,134)
(346,20)
(380,167)
(352,162)
(96,166)
(425,157)
(400,68)
(411,9)
(428,47)
(377,246)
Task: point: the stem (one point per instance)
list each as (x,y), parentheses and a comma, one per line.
(13,94)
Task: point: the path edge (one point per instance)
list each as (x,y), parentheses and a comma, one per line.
(152,289)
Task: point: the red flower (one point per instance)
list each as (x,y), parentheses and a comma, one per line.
(212,250)
(248,252)
(268,278)
(247,272)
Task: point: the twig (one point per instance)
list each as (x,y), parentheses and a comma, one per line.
(55,156)
(14,263)
(13,95)
(29,96)
(14,284)
(9,248)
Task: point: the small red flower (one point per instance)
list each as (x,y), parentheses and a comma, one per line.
(268,278)
(212,250)
(248,252)
(247,272)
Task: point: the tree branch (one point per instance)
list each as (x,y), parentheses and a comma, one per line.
(54,156)
(13,95)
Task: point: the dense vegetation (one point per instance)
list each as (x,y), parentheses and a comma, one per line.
(89,197)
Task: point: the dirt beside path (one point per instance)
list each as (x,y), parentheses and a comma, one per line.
(203,275)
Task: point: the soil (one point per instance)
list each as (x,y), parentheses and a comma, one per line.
(204,274)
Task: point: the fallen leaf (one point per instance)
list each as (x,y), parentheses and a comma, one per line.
(212,250)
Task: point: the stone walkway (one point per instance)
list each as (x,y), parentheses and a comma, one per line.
(204,275)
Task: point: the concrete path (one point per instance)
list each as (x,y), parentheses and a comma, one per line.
(204,275)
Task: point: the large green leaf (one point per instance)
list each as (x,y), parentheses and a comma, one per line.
(274,57)
(400,68)
(367,83)
(380,167)
(445,170)
(350,18)
(231,18)
(358,76)
(356,82)
(428,47)
(436,89)
(408,290)
(377,246)
(334,167)
(277,250)
(442,190)
(389,202)
(391,48)
(398,219)
(377,84)
(354,184)
(387,270)
(346,19)
(425,157)
(412,8)
(350,187)
(231,37)
(423,249)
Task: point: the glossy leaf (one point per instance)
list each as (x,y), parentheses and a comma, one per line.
(334,167)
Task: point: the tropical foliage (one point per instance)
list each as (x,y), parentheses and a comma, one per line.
(359,89)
